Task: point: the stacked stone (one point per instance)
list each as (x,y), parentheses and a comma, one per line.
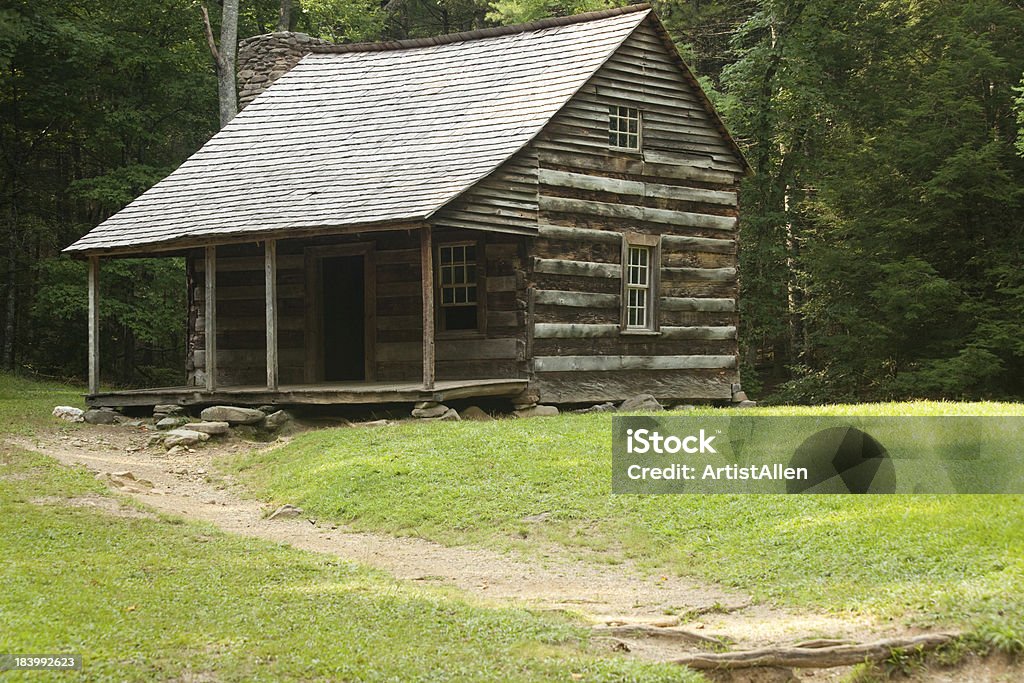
(264,59)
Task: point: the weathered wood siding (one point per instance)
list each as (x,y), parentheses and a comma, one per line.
(682,186)
(498,352)
(506,200)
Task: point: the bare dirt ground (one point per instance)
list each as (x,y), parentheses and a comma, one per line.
(184,484)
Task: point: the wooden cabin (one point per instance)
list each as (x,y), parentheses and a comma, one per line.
(548,208)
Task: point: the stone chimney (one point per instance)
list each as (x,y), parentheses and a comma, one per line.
(264,59)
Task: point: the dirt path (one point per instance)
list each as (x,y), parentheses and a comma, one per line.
(603,594)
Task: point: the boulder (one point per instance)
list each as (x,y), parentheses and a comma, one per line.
(233,415)
(286,511)
(100,417)
(211,428)
(426,410)
(171,422)
(276,420)
(740,397)
(475,414)
(184,437)
(746,404)
(69,413)
(537,411)
(641,403)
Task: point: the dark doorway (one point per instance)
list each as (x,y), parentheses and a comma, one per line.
(344,321)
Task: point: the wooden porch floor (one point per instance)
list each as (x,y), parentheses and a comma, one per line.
(334,393)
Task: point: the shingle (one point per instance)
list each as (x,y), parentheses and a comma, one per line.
(357,137)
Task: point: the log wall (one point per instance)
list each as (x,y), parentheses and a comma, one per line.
(496,352)
(682,186)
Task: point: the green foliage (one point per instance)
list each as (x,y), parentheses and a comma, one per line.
(887,205)
(522,11)
(350,21)
(933,559)
(98,100)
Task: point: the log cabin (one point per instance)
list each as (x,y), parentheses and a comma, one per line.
(545,210)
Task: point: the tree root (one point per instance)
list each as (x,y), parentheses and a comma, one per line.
(815,654)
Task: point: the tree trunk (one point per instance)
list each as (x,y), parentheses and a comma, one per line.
(10,309)
(224,58)
(226,88)
(284,17)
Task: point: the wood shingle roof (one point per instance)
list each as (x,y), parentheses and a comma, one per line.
(366,135)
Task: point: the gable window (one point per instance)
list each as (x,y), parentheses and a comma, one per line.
(640,260)
(458,286)
(624,127)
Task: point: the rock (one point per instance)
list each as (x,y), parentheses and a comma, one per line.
(168,409)
(740,397)
(528,396)
(746,404)
(539,517)
(125,474)
(100,417)
(537,411)
(640,403)
(599,408)
(171,422)
(450,415)
(156,439)
(430,410)
(373,423)
(684,406)
(69,413)
(523,406)
(184,437)
(286,511)
(275,421)
(211,428)
(475,414)
(232,415)
(268,409)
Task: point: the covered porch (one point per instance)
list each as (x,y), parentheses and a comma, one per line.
(280,308)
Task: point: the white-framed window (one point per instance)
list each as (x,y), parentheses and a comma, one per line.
(623,127)
(457,286)
(641,256)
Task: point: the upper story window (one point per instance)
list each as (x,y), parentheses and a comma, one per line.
(458,286)
(623,127)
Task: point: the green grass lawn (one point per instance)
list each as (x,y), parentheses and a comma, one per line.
(955,560)
(147,599)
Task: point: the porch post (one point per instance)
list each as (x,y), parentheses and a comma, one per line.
(270,275)
(94,324)
(210,313)
(427,271)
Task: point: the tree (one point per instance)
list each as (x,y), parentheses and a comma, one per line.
(224,58)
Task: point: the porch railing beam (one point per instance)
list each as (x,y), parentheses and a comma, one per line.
(270,275)
(210,314)
(427,271)
(94,324)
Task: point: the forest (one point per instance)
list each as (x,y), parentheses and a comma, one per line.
(882,229)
